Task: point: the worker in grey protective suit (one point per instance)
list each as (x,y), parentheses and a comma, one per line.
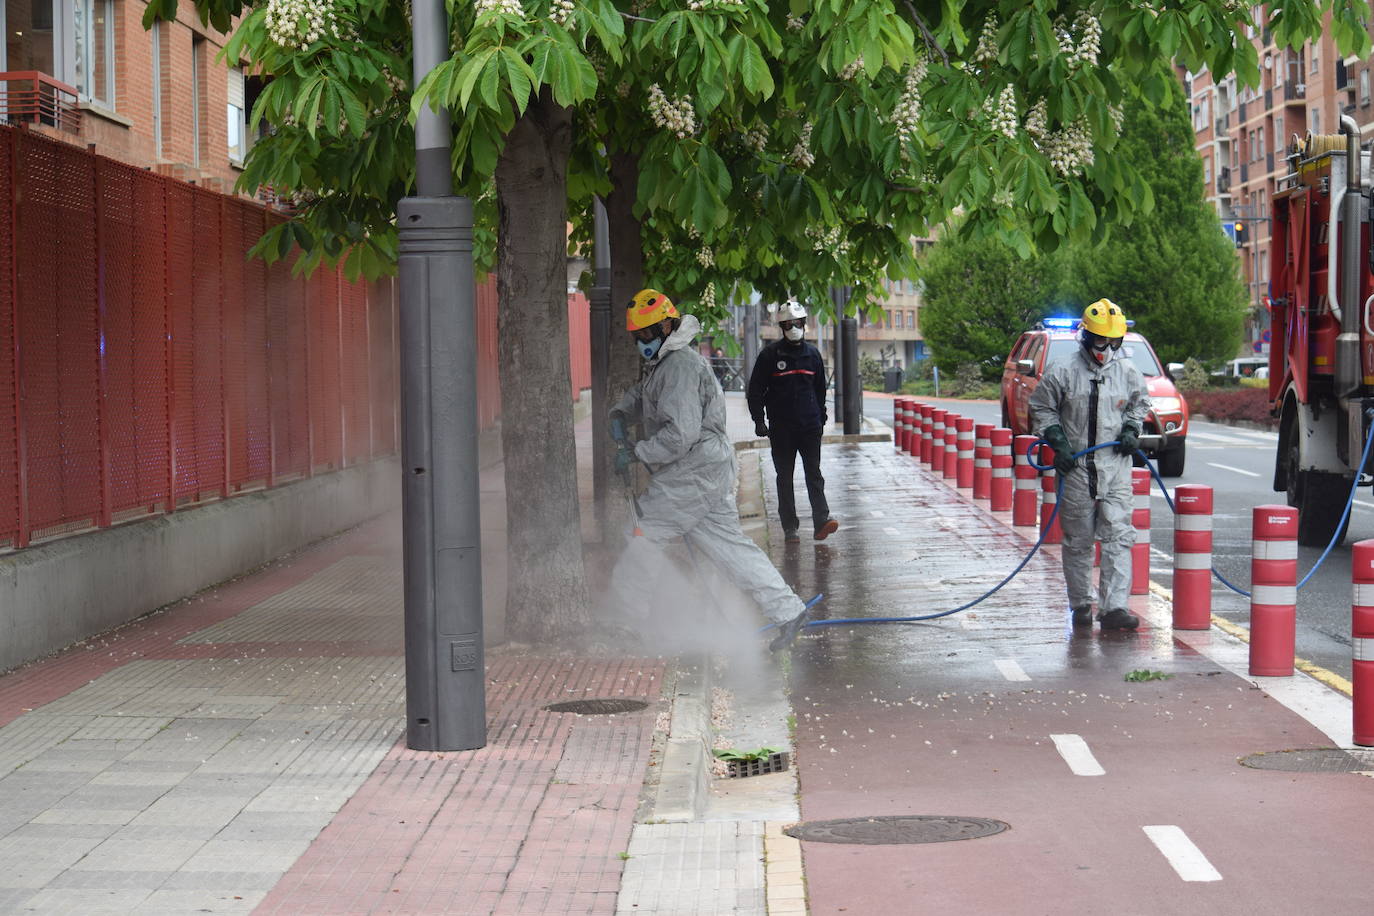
(691,492)
(1096,395)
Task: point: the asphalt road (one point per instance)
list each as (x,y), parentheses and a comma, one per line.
(1238,464)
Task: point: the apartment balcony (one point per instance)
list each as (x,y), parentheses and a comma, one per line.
(1293,91)
(1223,124)
(31,97)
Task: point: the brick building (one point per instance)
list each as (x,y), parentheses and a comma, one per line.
(1243,136)
(88,72)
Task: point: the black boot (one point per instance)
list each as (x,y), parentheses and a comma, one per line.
(1119,619)
(790,536)
(1083,616)
(787,631)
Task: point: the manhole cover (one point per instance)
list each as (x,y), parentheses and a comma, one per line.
(1313,760)
(598,707)
(896,829)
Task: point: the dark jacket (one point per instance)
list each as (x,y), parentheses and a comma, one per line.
(788,382)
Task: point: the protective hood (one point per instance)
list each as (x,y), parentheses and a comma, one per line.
(682,337)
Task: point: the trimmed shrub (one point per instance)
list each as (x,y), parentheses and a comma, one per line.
(1232,404)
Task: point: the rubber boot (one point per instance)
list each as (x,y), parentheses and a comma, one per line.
(1119,619)
(1083,616)
(787,631)
(790,536)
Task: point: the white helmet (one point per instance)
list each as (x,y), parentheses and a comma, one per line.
(790,311)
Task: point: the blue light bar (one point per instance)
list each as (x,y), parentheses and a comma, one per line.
(1068,323)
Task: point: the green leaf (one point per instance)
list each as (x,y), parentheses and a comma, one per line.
(754,71)
(520,77)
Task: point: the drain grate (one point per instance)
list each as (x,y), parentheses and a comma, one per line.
(598,707)
(1313,760)
(759,766)
(897,829)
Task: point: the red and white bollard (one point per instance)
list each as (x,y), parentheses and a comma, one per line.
(1273,590)
(951,466)
(1000,486)
(909,428)
(1192,557)
(1024,498)
(899,424)
(922,449)
(937,440)
(1362,642)
(964,445)
(982,460)
(1051,532)
(1140,519)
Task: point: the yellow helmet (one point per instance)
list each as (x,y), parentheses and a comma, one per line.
(647,308)
(1105,319)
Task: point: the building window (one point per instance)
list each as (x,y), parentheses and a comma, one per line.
(911,320)
(197,96)
(29,36)
(1364,87)
(93,25)
(1315,45)
(238,140)
(156,37)
(1314,124)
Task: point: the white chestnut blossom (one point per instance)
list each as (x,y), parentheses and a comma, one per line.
(802,157)
(705,256)
(1089,30)
(676,115)
(1002,198)
(708,296)
(906,114)
(1038,121)
(1070,149)
(756,138)
(1117,115)
(703,5)
(827,238)
(300,23)
(853,68)
(987,49)
(500,7)
(1001,112)
(795,24)
(561,12)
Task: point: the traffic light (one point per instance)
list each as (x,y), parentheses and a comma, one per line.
(1240,233)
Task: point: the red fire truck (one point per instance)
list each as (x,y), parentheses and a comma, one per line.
(1321,362)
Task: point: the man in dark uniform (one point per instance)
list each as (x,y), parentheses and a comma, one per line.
(787,401)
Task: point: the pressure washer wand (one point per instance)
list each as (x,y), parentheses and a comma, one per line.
(622,441)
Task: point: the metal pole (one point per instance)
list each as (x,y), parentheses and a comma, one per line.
(852,392)
(600,329)
(837,356)
(441,531)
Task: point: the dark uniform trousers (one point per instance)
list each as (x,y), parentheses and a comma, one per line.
(786,445)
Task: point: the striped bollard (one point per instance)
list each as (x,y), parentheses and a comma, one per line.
(964,450)
(1192,557)
(982,460)
(937,440)
(1140,519)
(1050,530)
(1024,498)
(1001,480)
(1273,590)
(1362,642)
(926,414)
(901,429)
(909,433)
(951,466)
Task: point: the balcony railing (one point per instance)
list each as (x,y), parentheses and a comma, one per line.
(31,97)
(1294,91)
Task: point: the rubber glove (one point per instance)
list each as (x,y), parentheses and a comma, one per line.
(624,457)
(760,429)
(1063,451)
(1128,440)
(618,428)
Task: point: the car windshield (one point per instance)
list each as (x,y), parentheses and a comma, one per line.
(1139,353)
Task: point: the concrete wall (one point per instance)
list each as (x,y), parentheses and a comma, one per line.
(56,594)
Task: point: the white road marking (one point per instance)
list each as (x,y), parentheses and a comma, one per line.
(1182,853)
(877,513)
(1227,467)
(1011,670)
(855,486)
(892,531)
(1156,552)
(1215,437)
(1364,505)
(1077,755)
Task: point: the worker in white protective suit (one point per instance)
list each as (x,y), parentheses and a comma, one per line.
(691,491)
(1094,396)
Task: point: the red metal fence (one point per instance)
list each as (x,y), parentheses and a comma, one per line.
(147,363)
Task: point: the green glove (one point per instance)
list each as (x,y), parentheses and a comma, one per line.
(1128,440)
(624,457)
(1063,451)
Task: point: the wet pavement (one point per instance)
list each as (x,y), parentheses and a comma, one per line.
(1121,796)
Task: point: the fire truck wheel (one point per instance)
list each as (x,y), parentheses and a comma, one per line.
(1320,499)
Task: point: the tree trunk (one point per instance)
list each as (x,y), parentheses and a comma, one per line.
(546,597)
(627,277)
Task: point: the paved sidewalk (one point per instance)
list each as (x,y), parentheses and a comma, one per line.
(243,750)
